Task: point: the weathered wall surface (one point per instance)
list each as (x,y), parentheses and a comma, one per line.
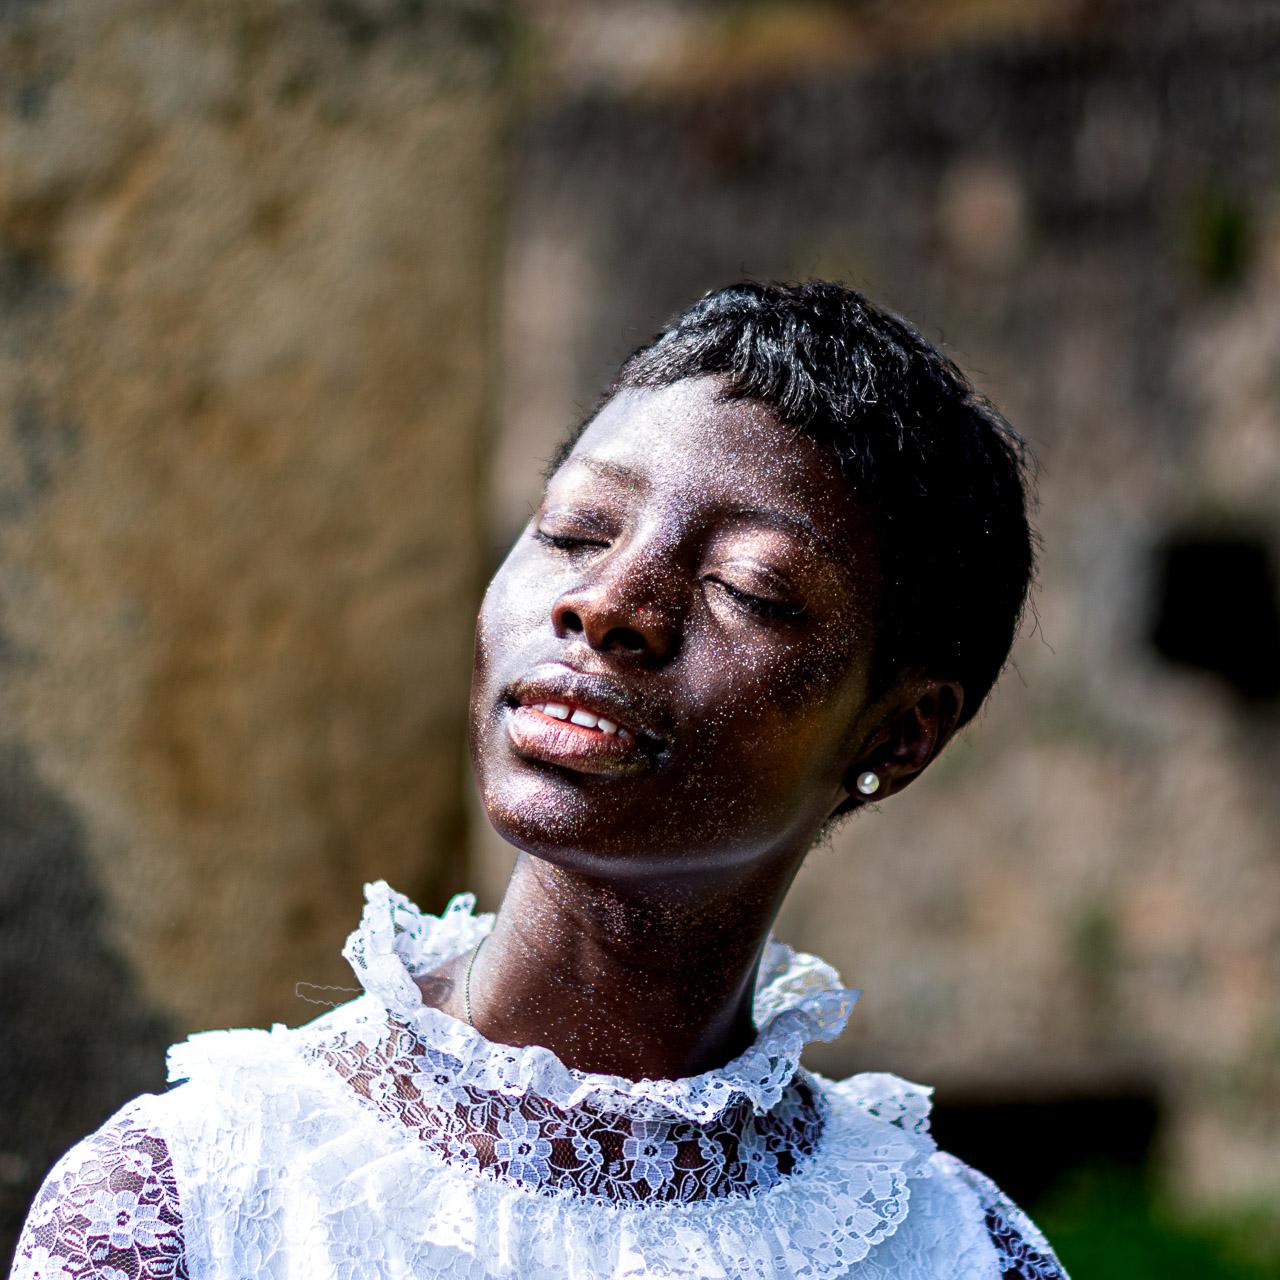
(246,283)
(1084,895)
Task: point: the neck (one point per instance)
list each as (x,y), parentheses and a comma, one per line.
(648,982)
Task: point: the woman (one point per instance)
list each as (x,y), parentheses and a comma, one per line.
(773,574)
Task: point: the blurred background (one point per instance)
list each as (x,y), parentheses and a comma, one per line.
(296,296)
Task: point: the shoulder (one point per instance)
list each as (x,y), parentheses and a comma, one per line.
(240,1053)
(1022,1252)
(111,1204)
(128,1200)
(957,1221)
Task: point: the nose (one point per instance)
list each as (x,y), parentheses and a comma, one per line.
(625,608)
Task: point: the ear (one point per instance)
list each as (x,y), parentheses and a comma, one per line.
(919,722)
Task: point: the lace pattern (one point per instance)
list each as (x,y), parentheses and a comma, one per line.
(388,1140)
(1016,1257)
(606,1154)
(109,1209)
(371,1184)
(1022,1252)
(798,999)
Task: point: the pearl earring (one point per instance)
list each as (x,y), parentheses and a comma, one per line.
(868,783)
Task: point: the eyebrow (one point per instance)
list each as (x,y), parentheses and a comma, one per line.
(784,521)
(612,470)
(787,522)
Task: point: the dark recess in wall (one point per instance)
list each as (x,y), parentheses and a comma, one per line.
(1027,1144)
(1216,607)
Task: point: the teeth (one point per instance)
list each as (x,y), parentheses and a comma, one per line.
(578,715)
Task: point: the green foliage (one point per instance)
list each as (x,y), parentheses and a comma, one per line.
(1111,1224)
(1096,944)
(1220,238)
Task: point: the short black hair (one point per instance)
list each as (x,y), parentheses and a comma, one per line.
(945,480)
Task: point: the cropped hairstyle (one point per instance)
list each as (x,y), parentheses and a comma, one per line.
(944,479)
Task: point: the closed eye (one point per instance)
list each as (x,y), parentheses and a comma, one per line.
(566,542)
(761,606)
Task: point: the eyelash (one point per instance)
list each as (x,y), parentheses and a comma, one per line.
(562,543)
(757,605)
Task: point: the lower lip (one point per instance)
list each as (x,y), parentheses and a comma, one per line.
(572,746)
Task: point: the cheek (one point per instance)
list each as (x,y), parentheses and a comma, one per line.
(506,614)
(788,680)
(516,605)
(812,678)
(782,713)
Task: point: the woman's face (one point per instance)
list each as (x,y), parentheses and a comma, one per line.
(696,594)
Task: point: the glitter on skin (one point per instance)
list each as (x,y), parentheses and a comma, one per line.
(710,569)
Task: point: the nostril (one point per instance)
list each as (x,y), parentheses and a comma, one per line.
(625,638)
(570,621)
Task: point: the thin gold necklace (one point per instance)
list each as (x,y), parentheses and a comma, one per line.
(466,985)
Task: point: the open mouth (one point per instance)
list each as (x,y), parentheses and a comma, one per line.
(579,723)
(583,717)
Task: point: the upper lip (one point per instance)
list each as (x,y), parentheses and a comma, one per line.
(558,682)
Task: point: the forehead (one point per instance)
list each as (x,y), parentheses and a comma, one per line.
(685,443)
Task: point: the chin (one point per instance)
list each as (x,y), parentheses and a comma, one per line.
(554,820)
(588,832)
(582,822)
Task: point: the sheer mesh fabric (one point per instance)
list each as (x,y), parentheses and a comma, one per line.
(1022,1252)
(799,999)
(109,1208)
(1017,1257)
(586,1151)
(386,1140)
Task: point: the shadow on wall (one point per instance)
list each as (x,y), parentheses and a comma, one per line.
(62,1071)
(1217,607)
(1116,1129)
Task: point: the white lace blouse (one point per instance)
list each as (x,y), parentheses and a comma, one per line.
(388,1139)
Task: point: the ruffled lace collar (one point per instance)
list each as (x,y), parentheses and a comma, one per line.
(798,999)
(441,1215)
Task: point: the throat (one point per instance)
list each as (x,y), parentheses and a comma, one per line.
(614,987)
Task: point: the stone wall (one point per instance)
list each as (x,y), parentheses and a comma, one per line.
(247,257)
(1082,201)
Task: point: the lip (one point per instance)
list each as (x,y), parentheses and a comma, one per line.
(636,747)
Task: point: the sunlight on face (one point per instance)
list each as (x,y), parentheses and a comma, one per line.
(671,662)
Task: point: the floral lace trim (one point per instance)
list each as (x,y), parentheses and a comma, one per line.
(845,1197)
(798,999)
(528,1141)
(1022,1252)
(840,1201)
(109,1210)
(1016,1257)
